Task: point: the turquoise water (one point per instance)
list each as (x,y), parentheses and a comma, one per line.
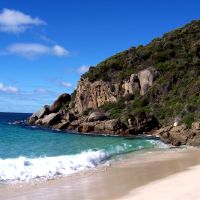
(29,153)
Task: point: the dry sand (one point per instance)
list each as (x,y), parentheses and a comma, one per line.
(184,185)
(157,175)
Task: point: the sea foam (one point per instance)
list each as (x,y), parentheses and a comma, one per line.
(26,169)
(13,170)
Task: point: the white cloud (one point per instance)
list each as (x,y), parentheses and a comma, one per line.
(42,91)
(27,50)
(66,84)
(83,69)
(59,51)
(13,21)
(31,50)
(8,89)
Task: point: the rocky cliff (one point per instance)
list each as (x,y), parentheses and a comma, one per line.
(136,91)
(92,95)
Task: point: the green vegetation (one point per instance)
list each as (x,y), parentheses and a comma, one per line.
(175,93)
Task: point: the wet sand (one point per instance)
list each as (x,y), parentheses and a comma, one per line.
(124,179)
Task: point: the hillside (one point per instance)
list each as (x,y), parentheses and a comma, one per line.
(136,91)
(175,92)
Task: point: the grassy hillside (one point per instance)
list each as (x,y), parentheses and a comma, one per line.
(176,93)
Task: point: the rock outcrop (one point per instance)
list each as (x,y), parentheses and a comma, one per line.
(51,119)
(62,100)
(179,135)
(146,78)
(39,114)
(142,123)
(92,95)
(140,81)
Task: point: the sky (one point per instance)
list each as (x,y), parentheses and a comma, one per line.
(45,45)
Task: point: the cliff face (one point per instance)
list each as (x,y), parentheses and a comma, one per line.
(91,95)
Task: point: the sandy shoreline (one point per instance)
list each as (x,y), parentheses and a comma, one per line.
(122,180)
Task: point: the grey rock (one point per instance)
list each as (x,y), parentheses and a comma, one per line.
(113,125)
(63,125)
(96,116)
(51,119)
(40,113)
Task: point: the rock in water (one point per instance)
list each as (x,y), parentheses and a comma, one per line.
(63,125)
(32,119)
(38,115)
(51,119)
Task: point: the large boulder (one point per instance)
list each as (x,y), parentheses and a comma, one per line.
(86,127)
(38,122)
(38,115)
(69,117)
(51,119)
(32,119)
(96,116)
(62,100)
(113,125)
(62,125)
(142,123)
(42,112)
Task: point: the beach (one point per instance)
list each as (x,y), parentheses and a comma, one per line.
(166,174)
(183,185)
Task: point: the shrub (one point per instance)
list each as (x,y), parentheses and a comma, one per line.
(188,120)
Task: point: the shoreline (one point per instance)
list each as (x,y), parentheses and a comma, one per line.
(113,182)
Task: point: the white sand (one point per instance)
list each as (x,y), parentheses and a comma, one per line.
(184,186)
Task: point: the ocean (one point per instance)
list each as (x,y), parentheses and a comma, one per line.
(31,153)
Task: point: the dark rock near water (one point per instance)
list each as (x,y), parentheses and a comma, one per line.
(32,119)
(62,125)
(38,115)
(42,112)
(51,119)
(38,122)
(142,123)
(86,127)
(179,135)
(114,124)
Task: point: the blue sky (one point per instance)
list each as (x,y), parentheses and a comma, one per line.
(45,45)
